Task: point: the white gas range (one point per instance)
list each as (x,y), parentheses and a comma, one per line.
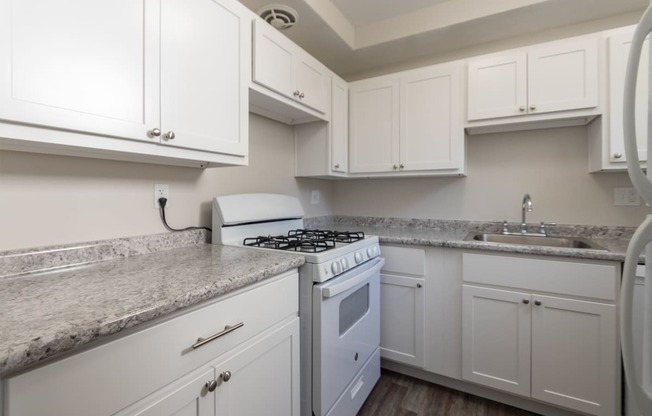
(339,299)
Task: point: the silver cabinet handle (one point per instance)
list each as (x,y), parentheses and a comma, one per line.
(537,302)
(170,135)
(521,108)
(533,107)
(155,132)
(526,301)
(228,328)
(226,376)
(211,385)
(618,155)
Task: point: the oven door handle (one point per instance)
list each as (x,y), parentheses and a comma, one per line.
(332,291)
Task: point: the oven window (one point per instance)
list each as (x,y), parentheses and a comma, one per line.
(353,307)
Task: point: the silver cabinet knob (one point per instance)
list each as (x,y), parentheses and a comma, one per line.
(521,108)
(526,301)
(395,167)
(337,166)
(419,285)
(296,93)
(226,376)
(170,135)
(533,107)
(537,302)
(302,95)
(211,385)
(401,166)
(618,155)
(154,132)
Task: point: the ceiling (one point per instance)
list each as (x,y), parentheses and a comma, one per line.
(357,36)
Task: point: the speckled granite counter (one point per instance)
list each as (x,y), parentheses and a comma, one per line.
(451,233)
(62,307)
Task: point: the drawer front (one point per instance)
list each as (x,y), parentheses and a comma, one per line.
(567,277)
(107,378)
(404,260)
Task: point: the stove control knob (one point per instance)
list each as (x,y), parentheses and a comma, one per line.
(336,268)
(345,263)
(358,257)
(370,252)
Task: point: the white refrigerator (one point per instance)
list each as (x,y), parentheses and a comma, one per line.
(636,296)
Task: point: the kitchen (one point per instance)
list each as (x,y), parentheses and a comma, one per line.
(52,200)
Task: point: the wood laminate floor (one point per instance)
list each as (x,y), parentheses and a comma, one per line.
(399,395)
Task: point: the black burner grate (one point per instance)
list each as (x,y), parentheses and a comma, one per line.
(303,240)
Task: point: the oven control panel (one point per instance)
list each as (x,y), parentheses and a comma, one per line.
(345,262)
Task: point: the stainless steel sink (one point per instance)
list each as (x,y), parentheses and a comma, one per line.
(534,240)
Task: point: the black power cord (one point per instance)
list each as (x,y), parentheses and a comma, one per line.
(162,202)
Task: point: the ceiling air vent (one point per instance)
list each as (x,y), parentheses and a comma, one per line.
(278,15)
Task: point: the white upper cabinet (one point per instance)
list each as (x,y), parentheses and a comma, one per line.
(281,66)
(374,125)
(153,71)
(497,86)
(89,66)
(321,147)
(203,101)
(549,78)
(409,123)
(606,142)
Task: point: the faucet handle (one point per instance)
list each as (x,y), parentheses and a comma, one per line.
(505,230)
(543,227)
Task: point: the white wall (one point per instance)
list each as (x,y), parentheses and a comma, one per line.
(550,164)
(47,200)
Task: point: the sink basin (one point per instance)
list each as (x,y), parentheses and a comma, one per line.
(533,240)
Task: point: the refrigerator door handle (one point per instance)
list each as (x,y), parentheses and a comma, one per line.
(640,240)
(642,183)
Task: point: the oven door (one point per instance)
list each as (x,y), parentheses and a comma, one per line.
(346,330)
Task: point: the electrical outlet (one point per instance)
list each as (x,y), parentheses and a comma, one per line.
(161,191)
(314,197)
(626,197)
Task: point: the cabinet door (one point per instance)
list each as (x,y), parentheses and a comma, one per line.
(273,59)
(204,98)
(575,356)
(402,328)
(374,125)
(263,379)
(497,86)
(311,82)
(619,46)
(496,338)
(185,397)
(339,125)
(432,136)
(88,66)
(563,76)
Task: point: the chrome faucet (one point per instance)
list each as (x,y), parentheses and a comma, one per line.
(526,206)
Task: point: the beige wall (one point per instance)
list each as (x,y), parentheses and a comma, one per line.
(48,200)
(550,164)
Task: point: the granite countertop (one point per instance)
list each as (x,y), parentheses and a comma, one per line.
(452,234)
(58,309)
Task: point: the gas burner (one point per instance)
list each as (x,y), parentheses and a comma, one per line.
(295,242)
(336,236)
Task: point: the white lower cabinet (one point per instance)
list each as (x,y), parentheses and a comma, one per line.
(252,370)
(562,350)
(402,305)
(266,368)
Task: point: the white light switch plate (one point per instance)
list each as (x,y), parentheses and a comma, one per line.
(626,197)
(314,197)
